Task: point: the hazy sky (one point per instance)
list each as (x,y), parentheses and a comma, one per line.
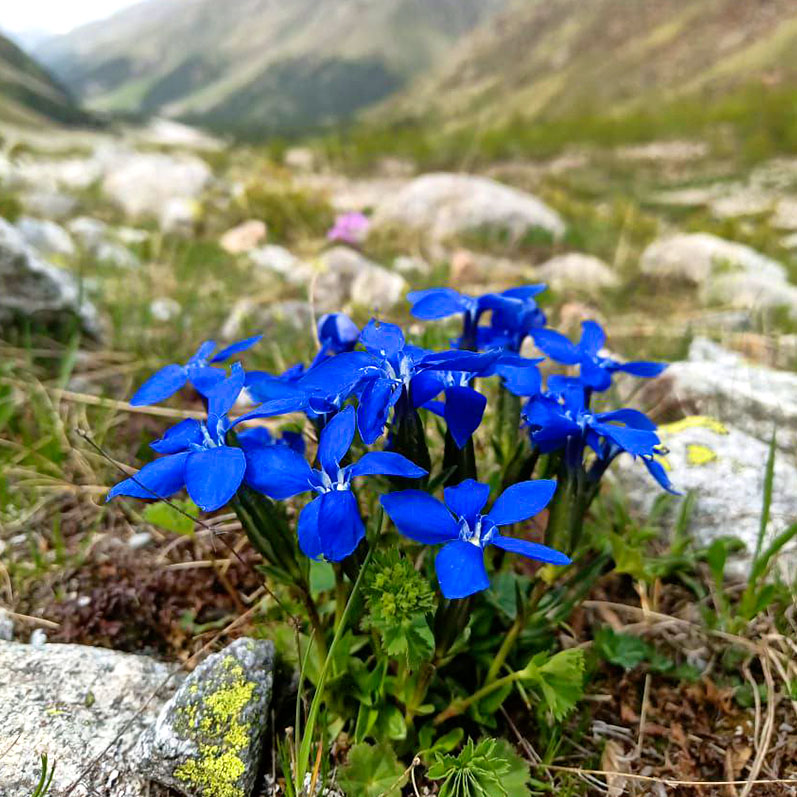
(54,16)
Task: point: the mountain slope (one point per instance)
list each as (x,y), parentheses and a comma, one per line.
(28,94)
(554,59)
(258,64)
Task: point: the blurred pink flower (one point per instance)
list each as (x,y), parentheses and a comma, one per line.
(349,228)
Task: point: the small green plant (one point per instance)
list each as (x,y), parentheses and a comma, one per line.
(372,771)
(45,779)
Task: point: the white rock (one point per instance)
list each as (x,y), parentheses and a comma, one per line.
(405,264)
(88,232)
(746,290)
(72,702)
(577,271)
(725,467)
(33,289)
(279,260)
(165,309)
(6,626)
(302,159)
(143,184)
(244,237)
(378,289)
(720,383)
(52,204)
(785,216)
(46,237)
(694,257)
(789,241)
(447,205)
(131,235)
(115,254)
(178,215)
(38,638)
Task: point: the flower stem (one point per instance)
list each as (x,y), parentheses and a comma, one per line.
(463,703)
(505,649)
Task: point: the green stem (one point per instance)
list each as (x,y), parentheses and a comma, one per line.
(315,706)
(505,649)
(340,592)
(419,693)
(463,703)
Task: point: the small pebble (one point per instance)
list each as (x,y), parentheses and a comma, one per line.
(140,540)
(38,638)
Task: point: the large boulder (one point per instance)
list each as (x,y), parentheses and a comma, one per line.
(726,272)
(445,206)
(99,242)
(143,184)
(33,289)
(279,260)
(208,739)
(75,704)
(719,383)
(576,271)
(46,237)
(725,468)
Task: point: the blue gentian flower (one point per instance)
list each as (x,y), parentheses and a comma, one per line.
(337,333)
(199,371)
(330,525)
(595,371)
(197,455)
(514,318)
(465,532)
(260,437)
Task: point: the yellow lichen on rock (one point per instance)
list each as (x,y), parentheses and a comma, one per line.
(697,454)
(694,422)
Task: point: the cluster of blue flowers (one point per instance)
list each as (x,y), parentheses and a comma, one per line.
(371,381)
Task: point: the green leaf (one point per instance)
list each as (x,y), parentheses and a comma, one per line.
(372,771)
(560,678)
(624,650)
(322,576)
(168,518)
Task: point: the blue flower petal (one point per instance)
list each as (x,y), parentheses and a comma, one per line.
(592,338)
(382,339)
(256,437)
(340,527)
(642,368)
(436,407)
(278,472)
(632,418)
(337,333)
(294,441)
(460,569)
(425,386)
(267,387)
(420,517)
(634,441)
(525,292)
(337,377)
(204,351)
(656,470)
(531,550)
(521,381)
(159,479)
(179,437)
(593,376)
(556,346)
(455,360)
(464,412)
(205,378)
(160,386)
(235,348)
(467,499)
(385,463)
(336,439)
(436,303)
(309,540)
(223,397)
(214,475)
(375,404)
(522,501)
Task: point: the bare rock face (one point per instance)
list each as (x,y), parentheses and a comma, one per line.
(32,289)
(445,206)
(72,702)
(46,237)
(208,739)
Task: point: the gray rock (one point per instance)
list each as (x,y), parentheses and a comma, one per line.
(445,206)
(576,271)
(88,232)
(725,468)
(6,626)
(143,184)
(50,204)
(405,264)
(290,315)
(696,257)
(279,260)
(38,639)
(112,253)
(46,237)
(721,384)
(178,215)
(208,739)
(98,240)
(746,290)
(72,702)
(348,276)
(33,289)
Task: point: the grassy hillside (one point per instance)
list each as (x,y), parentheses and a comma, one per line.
(258,65)
(544,74)
(29,94)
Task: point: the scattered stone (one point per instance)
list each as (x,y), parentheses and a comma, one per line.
(33,289)
(46,237)
(244,237)
(112,253)
(139,540)
(178,216)
(71,702)
(301,159)
(348,276)
(742,202)
(279,260)
(131,236)
(475,268)
(6,626)
(576,271)
(785,216)
(745,290)
(88,232)
(38,638)
(720,383)
(208,739)
(50,204)
(144,184)
(789,242)
(725,467)
(445,206)
(165,309)
(405,264)
(289,316)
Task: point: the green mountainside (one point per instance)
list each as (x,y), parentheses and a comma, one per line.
(258,66)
